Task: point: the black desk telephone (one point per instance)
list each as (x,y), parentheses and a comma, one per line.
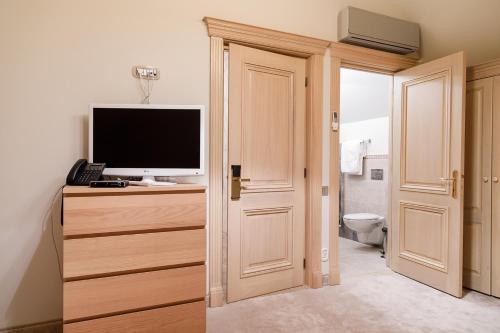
(82,173)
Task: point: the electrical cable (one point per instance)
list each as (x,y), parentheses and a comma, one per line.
(147,96)
(150,89)
(46,216)
(143,88)
(147,88)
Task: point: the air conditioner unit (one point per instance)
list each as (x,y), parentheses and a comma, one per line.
(376,31)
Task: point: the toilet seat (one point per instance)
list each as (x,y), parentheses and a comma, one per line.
(362,216)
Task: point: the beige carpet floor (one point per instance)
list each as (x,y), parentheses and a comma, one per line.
(371,298)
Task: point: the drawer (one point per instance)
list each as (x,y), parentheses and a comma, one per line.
(94,298)
(108,214)
(186,318)
(104,256)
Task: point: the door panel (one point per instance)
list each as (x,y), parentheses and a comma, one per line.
(495,220)
(477,194)
(273,249)
(268,113)
(427,155)
(423,234)
(267,138)
(425,132)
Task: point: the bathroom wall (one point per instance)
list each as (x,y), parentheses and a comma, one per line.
(377,130)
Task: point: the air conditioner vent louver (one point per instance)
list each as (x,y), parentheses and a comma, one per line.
(364,28)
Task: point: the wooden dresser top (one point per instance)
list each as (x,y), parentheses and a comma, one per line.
(78,191)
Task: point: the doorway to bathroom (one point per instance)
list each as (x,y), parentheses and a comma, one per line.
(365,105)
(426,165)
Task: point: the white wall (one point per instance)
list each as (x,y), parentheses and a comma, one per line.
(57,56)
(364,95)
(377,130)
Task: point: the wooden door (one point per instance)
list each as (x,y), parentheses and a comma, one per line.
(495,231)
(477,190)
(427,195)
(267,140)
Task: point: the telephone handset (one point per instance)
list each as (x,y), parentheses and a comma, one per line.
(82,173)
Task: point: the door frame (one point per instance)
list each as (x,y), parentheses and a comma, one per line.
(354,57)
(221,33)
(483,70)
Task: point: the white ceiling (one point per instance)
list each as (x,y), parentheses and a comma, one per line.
(364,95)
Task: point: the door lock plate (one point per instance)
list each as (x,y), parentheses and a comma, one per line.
(235,182)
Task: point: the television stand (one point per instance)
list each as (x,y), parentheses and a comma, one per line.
(150,181)
(153,249)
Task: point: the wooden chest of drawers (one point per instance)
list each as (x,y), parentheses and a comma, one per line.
(134,259)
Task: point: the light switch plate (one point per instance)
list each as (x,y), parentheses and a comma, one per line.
(146,72)
(324,191)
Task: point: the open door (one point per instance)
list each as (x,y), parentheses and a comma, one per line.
(427,169)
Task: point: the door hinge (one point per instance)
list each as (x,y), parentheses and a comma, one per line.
(307,82)
(304,264)
(453,181)
(305,172)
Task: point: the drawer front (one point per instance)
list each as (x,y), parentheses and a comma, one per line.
(97,215)
(186,318)
(104,256)
(94,298)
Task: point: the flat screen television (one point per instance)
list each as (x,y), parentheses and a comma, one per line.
(147,140)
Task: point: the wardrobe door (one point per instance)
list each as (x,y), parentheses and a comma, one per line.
(477,201)
(495,235)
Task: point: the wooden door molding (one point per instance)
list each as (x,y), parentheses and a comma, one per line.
(481,71)
(358,57)
(314,158)
(262,38)
(216,131)
(350,56)
(222,32)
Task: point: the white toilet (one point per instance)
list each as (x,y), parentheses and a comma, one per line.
(368,227)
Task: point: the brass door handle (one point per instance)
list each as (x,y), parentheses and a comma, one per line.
(244,180)
(485,179)
(495,179)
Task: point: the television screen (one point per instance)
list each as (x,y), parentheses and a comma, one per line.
(146,137)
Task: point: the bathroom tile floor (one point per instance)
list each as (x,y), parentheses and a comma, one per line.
(371,298)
